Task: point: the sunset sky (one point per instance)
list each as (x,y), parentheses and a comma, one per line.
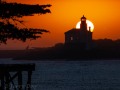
(105,15)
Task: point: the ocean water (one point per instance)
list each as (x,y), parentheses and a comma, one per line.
(73,75)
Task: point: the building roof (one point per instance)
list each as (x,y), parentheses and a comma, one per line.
(72,30)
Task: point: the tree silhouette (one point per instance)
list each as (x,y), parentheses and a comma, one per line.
(9,17)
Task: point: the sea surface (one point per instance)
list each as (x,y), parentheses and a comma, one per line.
(73,75)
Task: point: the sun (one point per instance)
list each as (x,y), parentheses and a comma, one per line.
(89,24)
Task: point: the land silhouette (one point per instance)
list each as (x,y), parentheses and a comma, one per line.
(105,49)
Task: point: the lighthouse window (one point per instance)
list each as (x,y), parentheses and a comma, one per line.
(71,38)
(83,19)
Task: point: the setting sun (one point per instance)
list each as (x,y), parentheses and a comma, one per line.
(89,24)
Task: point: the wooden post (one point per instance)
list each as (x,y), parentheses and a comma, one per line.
(7,84)
(20,80)
(2,81)
(29,80)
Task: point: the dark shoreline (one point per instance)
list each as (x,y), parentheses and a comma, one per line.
(54,54)
(59,55)
(68,56)
(105,49)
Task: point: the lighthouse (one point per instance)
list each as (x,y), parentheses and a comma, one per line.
(81,37)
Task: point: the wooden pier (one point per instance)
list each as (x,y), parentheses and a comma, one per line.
(6,78)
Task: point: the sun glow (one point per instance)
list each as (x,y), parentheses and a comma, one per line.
(89,24)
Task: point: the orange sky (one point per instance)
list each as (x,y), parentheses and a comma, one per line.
(65,15)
